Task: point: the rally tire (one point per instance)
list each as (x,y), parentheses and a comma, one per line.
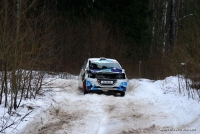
(122,94)
(84,88)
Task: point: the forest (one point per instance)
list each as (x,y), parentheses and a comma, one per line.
(150,38)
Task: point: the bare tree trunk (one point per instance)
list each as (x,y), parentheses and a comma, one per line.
(172,26)
(5,84)
(18,17)
(2,87)
(164,25)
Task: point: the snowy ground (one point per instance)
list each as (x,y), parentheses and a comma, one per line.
(148,107)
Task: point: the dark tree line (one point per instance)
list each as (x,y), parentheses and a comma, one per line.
(126,25)
(151,39)
(142,35)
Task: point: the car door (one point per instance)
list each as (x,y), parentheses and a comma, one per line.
(82,73)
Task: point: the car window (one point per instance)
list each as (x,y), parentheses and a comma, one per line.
(93,66)
(99,65)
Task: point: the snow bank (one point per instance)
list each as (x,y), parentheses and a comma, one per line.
(148,107)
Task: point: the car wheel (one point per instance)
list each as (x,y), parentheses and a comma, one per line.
(122,93)
(84,88)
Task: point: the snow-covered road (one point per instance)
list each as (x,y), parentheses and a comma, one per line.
(147,107)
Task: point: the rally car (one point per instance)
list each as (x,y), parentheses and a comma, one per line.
(103,74)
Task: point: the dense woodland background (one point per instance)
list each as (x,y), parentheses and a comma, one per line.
(150,38)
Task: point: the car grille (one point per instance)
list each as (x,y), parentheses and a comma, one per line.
(106,81)
(110,76)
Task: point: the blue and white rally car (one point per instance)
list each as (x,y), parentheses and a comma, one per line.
(103,74)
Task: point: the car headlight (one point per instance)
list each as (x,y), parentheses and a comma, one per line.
(120,76)
(91,75)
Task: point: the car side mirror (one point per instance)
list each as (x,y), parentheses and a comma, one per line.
(87,70)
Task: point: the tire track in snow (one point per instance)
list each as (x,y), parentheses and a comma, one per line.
(123,117)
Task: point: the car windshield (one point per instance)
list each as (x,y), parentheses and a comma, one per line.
(103,65)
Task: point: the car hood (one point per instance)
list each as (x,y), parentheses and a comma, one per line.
(107,70)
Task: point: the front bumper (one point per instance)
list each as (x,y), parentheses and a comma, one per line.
(106,84)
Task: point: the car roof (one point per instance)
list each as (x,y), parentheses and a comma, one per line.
(102,59)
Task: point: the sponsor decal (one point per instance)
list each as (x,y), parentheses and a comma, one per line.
(106,70)
(106,82)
